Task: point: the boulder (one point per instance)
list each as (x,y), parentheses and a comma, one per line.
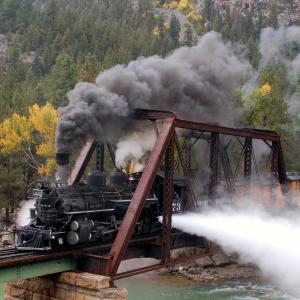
(221,260)
(85,280)
(204,262)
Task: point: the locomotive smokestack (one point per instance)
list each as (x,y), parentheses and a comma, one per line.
(62,160)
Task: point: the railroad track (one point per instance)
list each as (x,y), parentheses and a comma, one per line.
(10,256)
(10,253)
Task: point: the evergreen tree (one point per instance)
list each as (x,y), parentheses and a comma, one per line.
(273,15)
(207,12)
(89,69)
(217,22)
(61,79)
(175,30)
(37,65)
(188,39)
(13,53)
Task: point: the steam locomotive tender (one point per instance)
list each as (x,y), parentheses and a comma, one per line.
(91,212)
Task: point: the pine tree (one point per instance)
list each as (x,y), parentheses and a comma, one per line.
(273,15)
(175,30)
(188,40)
(37,66)
(89,69)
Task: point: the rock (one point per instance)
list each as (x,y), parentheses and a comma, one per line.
(42,297)
(186,252)
(68,285)
(204,262)
(114,293)
(193,270)
(85,280)
(221,260)
(27,57)
(17,292)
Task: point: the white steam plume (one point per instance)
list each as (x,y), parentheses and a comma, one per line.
(294,74)
(23,215)
(273,45)
(272,243)
(134,147)
(273,42)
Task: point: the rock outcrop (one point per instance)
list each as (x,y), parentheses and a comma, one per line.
(3,51)
(288,11)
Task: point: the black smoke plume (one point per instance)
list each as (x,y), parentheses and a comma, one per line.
(196,82)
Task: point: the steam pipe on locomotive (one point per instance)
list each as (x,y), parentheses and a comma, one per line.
(85,213)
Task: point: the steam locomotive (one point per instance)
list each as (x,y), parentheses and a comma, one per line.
(91,212)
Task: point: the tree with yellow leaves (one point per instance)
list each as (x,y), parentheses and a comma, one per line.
(265,89)
(185,6)
(44,121)
(32,136)
(267,110)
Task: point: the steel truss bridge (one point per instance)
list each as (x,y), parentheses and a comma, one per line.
(174,151)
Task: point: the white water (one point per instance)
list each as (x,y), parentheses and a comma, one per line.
(272,243)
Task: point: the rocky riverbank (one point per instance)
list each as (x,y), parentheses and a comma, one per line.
(211,268)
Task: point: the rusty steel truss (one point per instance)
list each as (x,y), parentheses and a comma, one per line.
(163,158)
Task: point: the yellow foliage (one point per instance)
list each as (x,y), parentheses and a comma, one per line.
(265,89)
(173,5)
(48,168)
(46,149)
(44,120)
(156,31)
(13,132)
(191,16)
(184,5)
(166,26)
(32,134)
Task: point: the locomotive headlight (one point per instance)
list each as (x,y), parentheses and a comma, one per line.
(72,238)
(74,225)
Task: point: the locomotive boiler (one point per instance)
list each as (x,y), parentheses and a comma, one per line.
(91,212)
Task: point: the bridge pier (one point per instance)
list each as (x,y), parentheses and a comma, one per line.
(66,285)
(54,280)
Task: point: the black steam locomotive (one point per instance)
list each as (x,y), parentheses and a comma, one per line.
(91,212)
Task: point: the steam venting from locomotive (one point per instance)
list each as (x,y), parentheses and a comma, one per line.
(134,148)
(195,81)
(270,242)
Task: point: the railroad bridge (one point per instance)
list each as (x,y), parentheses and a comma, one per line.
(232,168)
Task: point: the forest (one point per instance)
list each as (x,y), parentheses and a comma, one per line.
(54,44)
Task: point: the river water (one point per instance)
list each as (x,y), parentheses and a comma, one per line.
(155,285)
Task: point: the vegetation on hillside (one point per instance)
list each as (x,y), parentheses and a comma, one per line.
(73,40)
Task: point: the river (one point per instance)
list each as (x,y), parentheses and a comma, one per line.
(156,285)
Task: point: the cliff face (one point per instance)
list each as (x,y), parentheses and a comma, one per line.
(288,10)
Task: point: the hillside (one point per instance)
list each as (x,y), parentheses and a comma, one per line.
(288,10)
(47,46)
